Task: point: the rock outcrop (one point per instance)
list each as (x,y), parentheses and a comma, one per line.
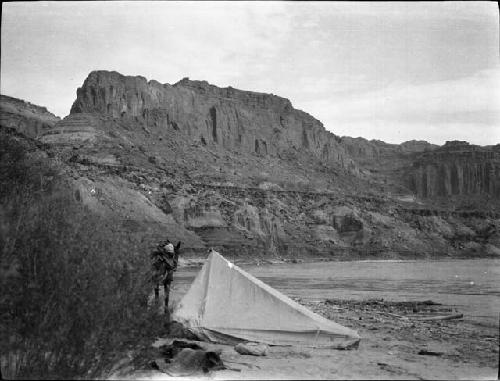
(457,168)
(374,151)
(429,171)
(249,122)
(73,128)
(25,117)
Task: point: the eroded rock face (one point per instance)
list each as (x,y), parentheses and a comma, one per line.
(371,151)
(250,122)
(24,117)
(428,171)
(457,168)
(73,129)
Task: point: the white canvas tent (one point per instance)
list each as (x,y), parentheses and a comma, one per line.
(226,303)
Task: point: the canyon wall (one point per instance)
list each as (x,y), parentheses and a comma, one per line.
(244,121)
(372,151)
(457,168)
(429,171)
(249,175)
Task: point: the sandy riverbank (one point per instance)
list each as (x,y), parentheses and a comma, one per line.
(396,344)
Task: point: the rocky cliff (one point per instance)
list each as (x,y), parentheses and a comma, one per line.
(429,171)
(457,168)
(373,151)
(244,121)
(25,117)
(249,175)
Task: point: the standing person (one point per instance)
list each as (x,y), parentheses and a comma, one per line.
(164,259)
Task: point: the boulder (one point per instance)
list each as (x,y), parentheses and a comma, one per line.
(253,349)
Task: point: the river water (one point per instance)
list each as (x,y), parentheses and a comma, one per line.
(470,286)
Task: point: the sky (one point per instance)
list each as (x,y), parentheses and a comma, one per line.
(380,70)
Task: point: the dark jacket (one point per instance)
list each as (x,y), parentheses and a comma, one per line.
(163,264)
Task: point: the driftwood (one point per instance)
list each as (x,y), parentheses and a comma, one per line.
(241,363)
(391,314)
(381,302)
(447,317)
(397,316)
(430,353)
(426,318)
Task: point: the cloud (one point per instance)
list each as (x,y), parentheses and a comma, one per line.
(444,110)
(480,92)
(223,43)
(404,10)
(362,69)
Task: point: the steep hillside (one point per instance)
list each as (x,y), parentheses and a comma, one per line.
(25,117)
(74,283)
(248,174)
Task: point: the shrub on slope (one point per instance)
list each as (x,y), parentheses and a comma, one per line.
(73,287)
